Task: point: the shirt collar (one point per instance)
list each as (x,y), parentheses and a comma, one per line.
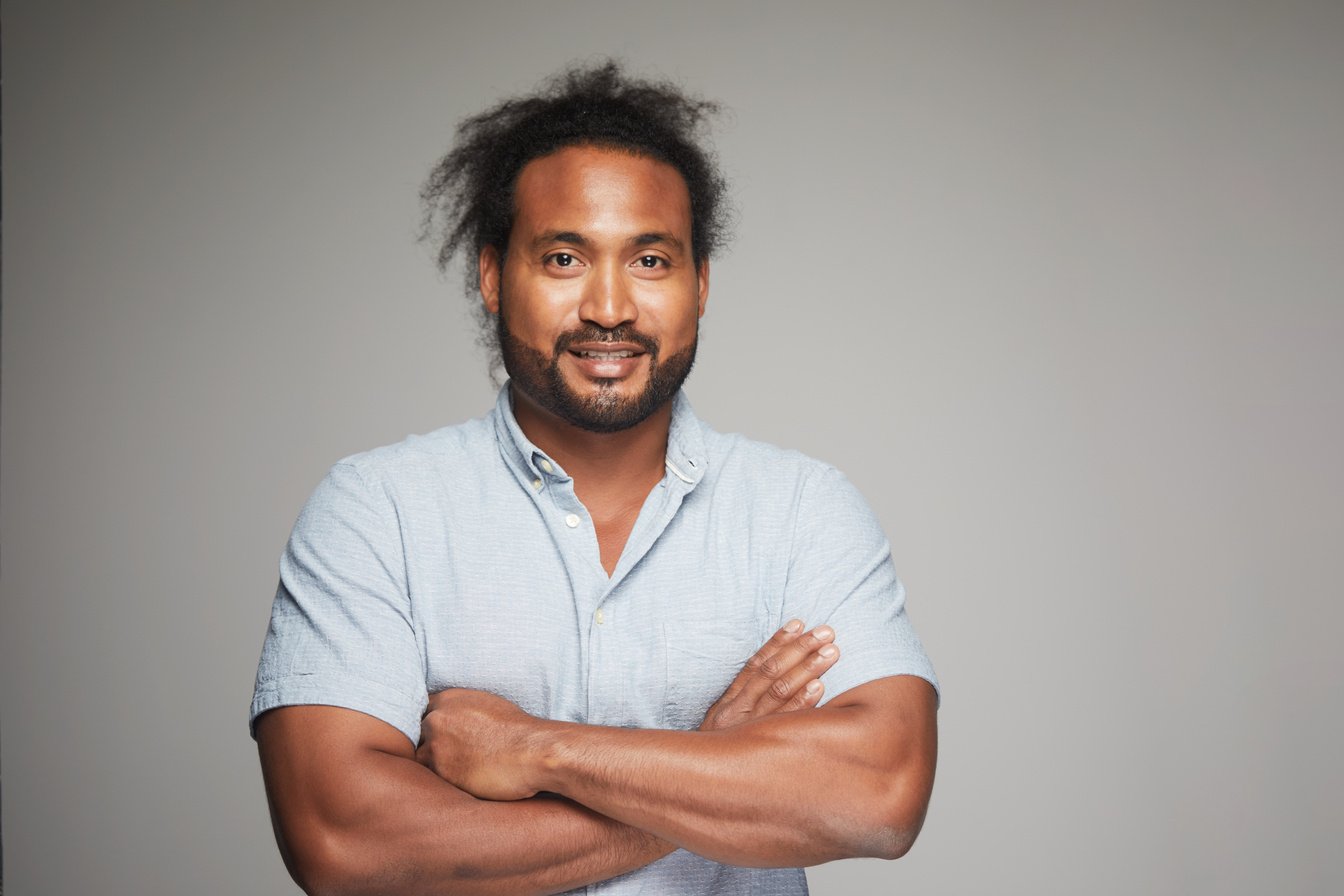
(685,442)
(685,456)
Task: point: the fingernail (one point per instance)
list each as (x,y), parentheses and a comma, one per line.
(794,626)
(813,686)
(828,651)
(823,633)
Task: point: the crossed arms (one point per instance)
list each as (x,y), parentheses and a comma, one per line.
(498,801)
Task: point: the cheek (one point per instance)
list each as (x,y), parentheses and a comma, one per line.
(677,322)
(685,331)
(538,315)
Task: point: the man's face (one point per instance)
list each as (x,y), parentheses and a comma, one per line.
(597,299)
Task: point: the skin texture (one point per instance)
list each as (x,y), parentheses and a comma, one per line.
(355,812)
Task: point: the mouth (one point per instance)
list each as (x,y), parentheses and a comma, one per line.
(607,361)
(594,355)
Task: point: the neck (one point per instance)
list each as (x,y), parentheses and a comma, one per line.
(607,467)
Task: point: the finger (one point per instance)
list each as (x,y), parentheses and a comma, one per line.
(786,635)
(791,691)
(807,697)
(784,661)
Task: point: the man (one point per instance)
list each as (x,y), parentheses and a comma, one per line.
(520,655)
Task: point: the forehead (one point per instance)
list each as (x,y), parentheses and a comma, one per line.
(601,192)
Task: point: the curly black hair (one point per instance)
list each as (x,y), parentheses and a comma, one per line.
(468,197)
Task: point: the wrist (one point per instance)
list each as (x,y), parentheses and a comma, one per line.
(543,755)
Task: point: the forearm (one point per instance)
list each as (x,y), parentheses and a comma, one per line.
(795,789)
(765,795)
(424,836)
(396,828)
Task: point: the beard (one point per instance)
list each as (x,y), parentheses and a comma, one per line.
(606,410)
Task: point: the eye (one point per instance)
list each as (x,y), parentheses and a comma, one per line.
(652,261)
(560,259)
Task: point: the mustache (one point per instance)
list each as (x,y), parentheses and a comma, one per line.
(593,333)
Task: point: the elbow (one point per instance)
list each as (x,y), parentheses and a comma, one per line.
(319,866)
(892,819)
(892,841)
(325,863)
(888,835)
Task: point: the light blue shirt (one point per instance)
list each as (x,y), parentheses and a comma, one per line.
(463,558)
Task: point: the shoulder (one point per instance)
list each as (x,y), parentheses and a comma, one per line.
(420,458)
(418,472)
(736,461)
(778,490)
(741,487)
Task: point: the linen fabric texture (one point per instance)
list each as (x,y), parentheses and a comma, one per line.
(463,558)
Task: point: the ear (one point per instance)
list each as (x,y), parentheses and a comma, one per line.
(702,284)
(491,271)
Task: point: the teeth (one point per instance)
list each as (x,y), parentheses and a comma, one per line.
(606,356)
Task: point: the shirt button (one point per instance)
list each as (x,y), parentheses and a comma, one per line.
(536,484)
(545,465)
(572,521)
(599,617)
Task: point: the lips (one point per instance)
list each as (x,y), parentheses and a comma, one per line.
(597,339)
(607,361)
(604,355)
(605,351)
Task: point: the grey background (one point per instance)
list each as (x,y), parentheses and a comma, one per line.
(1057,284)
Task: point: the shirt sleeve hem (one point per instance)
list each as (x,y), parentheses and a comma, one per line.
(369,697)
(839,684)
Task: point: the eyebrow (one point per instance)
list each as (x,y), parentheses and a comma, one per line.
(551,237)
(652,238)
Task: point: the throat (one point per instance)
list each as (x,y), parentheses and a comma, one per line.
(614,521)
(611,538)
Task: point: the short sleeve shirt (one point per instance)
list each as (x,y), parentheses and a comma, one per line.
(463,558)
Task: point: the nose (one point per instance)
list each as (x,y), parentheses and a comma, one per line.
(607,299)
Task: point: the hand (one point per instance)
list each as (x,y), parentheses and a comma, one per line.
(783,676)
(479,743)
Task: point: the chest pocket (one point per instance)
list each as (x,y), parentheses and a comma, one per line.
(700,664)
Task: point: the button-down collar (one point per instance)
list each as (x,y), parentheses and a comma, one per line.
(684,457)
